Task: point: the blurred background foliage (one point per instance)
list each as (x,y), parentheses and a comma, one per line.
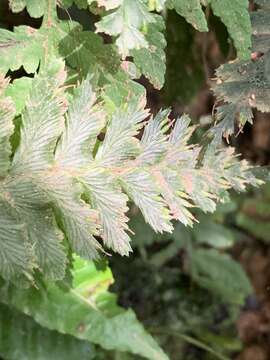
(204,292)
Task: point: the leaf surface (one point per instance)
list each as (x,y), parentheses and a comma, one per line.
(21,338)
(87,306)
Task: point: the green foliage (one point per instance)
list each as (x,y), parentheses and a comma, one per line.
(236,18)
(254,215)
(91,56)
(220,274)
(151,60)
(86,311)
(173,304)
(35,9)
(21,338)
(125,23)
(233,14)
(192,11)
(244,85)
(210,268)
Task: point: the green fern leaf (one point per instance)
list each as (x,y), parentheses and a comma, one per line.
(85,51)
(15,252)
(119,90)
(237,20)
(233,14)
(125,23)
(151,60)
(7,112)
(19,92)
(191,11)
(242,85)
(221,274)
(24,186)
(16,47)
(29,47)
(35,8)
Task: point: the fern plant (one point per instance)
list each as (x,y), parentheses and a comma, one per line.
(58,185)
(243,85)
(77,145)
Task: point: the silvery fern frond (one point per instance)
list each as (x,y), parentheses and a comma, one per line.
(68,185)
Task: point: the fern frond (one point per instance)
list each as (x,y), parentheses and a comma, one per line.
(84,123)
(63,181)
(244,85)
(120,143)
(106,196)
(7,112)
(15,253)
(42,122)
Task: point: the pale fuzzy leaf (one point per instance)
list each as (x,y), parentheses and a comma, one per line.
(173,193)
(84,122)
(107,198)
(120,143)
(15,253)
(34,161)
(181,132)
(222,170)
(57,169)
(154,142)
(178,148)
(42,122)
(79,221)
(145,193)
(46,240)
(27,202)
(7,113)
